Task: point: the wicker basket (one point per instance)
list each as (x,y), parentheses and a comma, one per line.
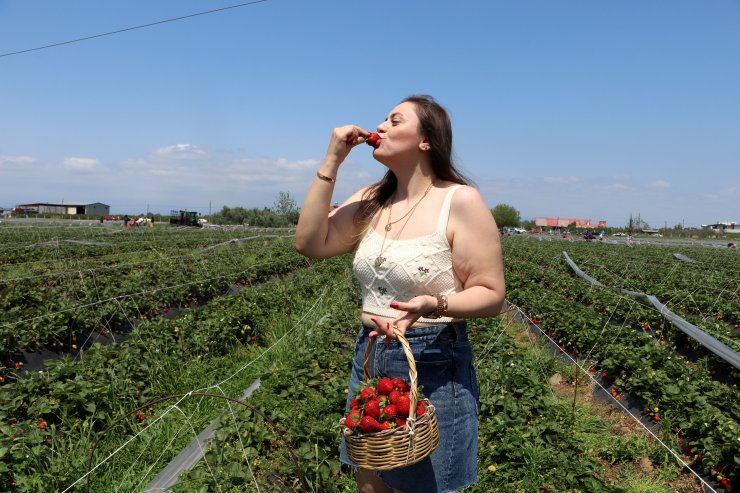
(400,447)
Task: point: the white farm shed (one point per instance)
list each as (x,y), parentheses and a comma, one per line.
(71,208)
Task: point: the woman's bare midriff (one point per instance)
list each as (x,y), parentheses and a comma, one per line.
(366,319)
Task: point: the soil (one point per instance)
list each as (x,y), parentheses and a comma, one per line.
(622,425)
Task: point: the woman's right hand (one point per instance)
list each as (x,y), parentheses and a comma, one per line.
(343,139)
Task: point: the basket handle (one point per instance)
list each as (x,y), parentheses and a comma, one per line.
(413,392)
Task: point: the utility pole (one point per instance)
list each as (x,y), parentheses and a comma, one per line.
(209,210)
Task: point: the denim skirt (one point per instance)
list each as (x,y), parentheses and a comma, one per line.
(444,362)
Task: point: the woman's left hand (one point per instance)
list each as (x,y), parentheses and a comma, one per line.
(411,311)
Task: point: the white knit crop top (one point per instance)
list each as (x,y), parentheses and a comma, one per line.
(410,268)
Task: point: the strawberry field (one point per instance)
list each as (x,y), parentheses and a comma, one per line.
(200,315)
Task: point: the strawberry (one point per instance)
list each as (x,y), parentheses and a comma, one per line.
(42,425)
(353,419)
(393,396)
(373,140)
(385,386)
(372,408)
(389,413)
(368,424)
(656,419)
(421,408)
(353,404)
(400,422)
(400,385)
(403,405)
(723,482)
(367,394)
(385,425)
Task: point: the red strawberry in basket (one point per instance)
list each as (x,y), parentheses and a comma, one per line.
(353,419)
(421,408)
(369,424)
(389,413)
(385,386)
(399,384)
(367,394)
(372,408)
(400,422)
(373,140)
(402,405)
(393,396)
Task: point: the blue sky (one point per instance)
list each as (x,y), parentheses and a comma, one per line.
(560,108)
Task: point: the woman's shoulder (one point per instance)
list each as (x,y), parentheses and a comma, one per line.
(464,195)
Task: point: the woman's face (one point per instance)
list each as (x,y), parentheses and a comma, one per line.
(400,136)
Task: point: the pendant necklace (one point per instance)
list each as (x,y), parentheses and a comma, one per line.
(389,224)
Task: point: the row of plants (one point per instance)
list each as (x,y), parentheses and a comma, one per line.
(697,410)
(22,250)
(719,301)
(58,312)
(49,420)
(625,310)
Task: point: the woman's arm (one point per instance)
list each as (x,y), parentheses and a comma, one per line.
(320,234)
(476,257)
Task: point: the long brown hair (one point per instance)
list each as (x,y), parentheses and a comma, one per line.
(436,127)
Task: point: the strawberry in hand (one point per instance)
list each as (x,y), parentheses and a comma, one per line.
(373,140)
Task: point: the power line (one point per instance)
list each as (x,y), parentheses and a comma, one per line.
(247,4)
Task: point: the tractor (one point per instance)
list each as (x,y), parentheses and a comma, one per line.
(184,218)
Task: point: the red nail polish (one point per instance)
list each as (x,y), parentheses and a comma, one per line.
(394,305)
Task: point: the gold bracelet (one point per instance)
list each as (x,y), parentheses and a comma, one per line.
(325,178)
(440,309)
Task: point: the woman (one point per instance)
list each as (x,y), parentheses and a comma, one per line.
(427,256)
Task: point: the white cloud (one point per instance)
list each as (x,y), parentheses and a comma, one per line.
(80,163)
(16,160)
(660,184)
(184,152)
(283,163)
(618,186)
(560,180)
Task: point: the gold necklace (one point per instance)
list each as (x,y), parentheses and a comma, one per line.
(411,211)
(380,259)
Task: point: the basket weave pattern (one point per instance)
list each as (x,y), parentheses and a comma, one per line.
(398,447)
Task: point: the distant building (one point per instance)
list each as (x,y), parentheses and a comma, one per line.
(564,222)
(722,227)
(70,208)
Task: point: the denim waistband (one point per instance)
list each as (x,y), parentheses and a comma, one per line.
(451,331)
